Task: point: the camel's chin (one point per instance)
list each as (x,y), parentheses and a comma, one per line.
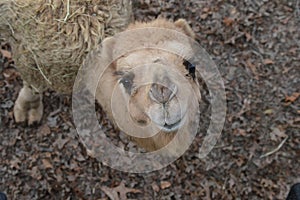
(172,127)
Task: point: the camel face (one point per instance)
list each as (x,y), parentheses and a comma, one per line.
(151,92)
(154,92)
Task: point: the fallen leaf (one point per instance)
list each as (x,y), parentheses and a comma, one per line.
(233,11)
(165,184)
(248,36)
(267,183)
(113,195)
(15,163)
(206,9)
(47,155)
(58,175)
(293,97)
(35,173)
(204,16)
(268,61)
(44,130)
(71,178)
(80,157)
(10,74)
(286,20)
(60,143)
(252,68)
(119,192)
(155,187)
(6,54)
(286,8)
(277,134)
(240,161)
(268,111)
(228,21)
(293,50)
(240,132)
(7,104)
(47,164)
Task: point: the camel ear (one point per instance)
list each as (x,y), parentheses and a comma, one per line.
(185,27)
(105,50)
(102,55)
(96,62)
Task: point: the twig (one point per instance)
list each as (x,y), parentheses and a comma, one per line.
(275,150)
(9,25)
(68,11)
(39,68)
(297,8)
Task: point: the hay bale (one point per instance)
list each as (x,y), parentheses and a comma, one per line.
(50,38)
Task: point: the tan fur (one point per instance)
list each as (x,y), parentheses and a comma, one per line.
(29,105)
(51,38)
(141,107)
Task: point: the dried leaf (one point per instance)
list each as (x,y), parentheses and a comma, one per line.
(206,9)
(268,61)
(228,21)
(293,97)
(240,132)
(10,74)
(71,178)
(60,143)
(286,20)
(293,50)
(47,164)
(165,184)
(267,183)
(7,104)
(204,16)
(15,163)
(58,175)
(240,161)
(269,111)
(80,157)
(44,130)
(252,68)
(119,192)
(35,173)
(113,195)
(155,187)
(248,36)
(277,134)
(6,54)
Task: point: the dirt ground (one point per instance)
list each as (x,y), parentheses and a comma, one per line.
(256,45)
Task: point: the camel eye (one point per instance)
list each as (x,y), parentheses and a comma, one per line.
(127,81)
(190,67)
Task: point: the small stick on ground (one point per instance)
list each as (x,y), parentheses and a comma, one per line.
(275,150)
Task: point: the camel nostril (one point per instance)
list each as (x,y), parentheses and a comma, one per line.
(162,94)
(142,122)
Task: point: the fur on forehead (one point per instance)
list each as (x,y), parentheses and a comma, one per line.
(147,56)
(159,34)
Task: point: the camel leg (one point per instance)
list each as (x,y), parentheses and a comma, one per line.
(28,106)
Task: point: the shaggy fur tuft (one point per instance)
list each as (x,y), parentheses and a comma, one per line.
(50,38)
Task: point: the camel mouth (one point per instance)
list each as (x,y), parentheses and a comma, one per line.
(172,127)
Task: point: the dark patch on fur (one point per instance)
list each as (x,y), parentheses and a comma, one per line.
(127,81)
(190,67)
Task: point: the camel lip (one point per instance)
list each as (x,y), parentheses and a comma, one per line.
(172,127)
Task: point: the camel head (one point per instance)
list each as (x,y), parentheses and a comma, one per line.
(150,92)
